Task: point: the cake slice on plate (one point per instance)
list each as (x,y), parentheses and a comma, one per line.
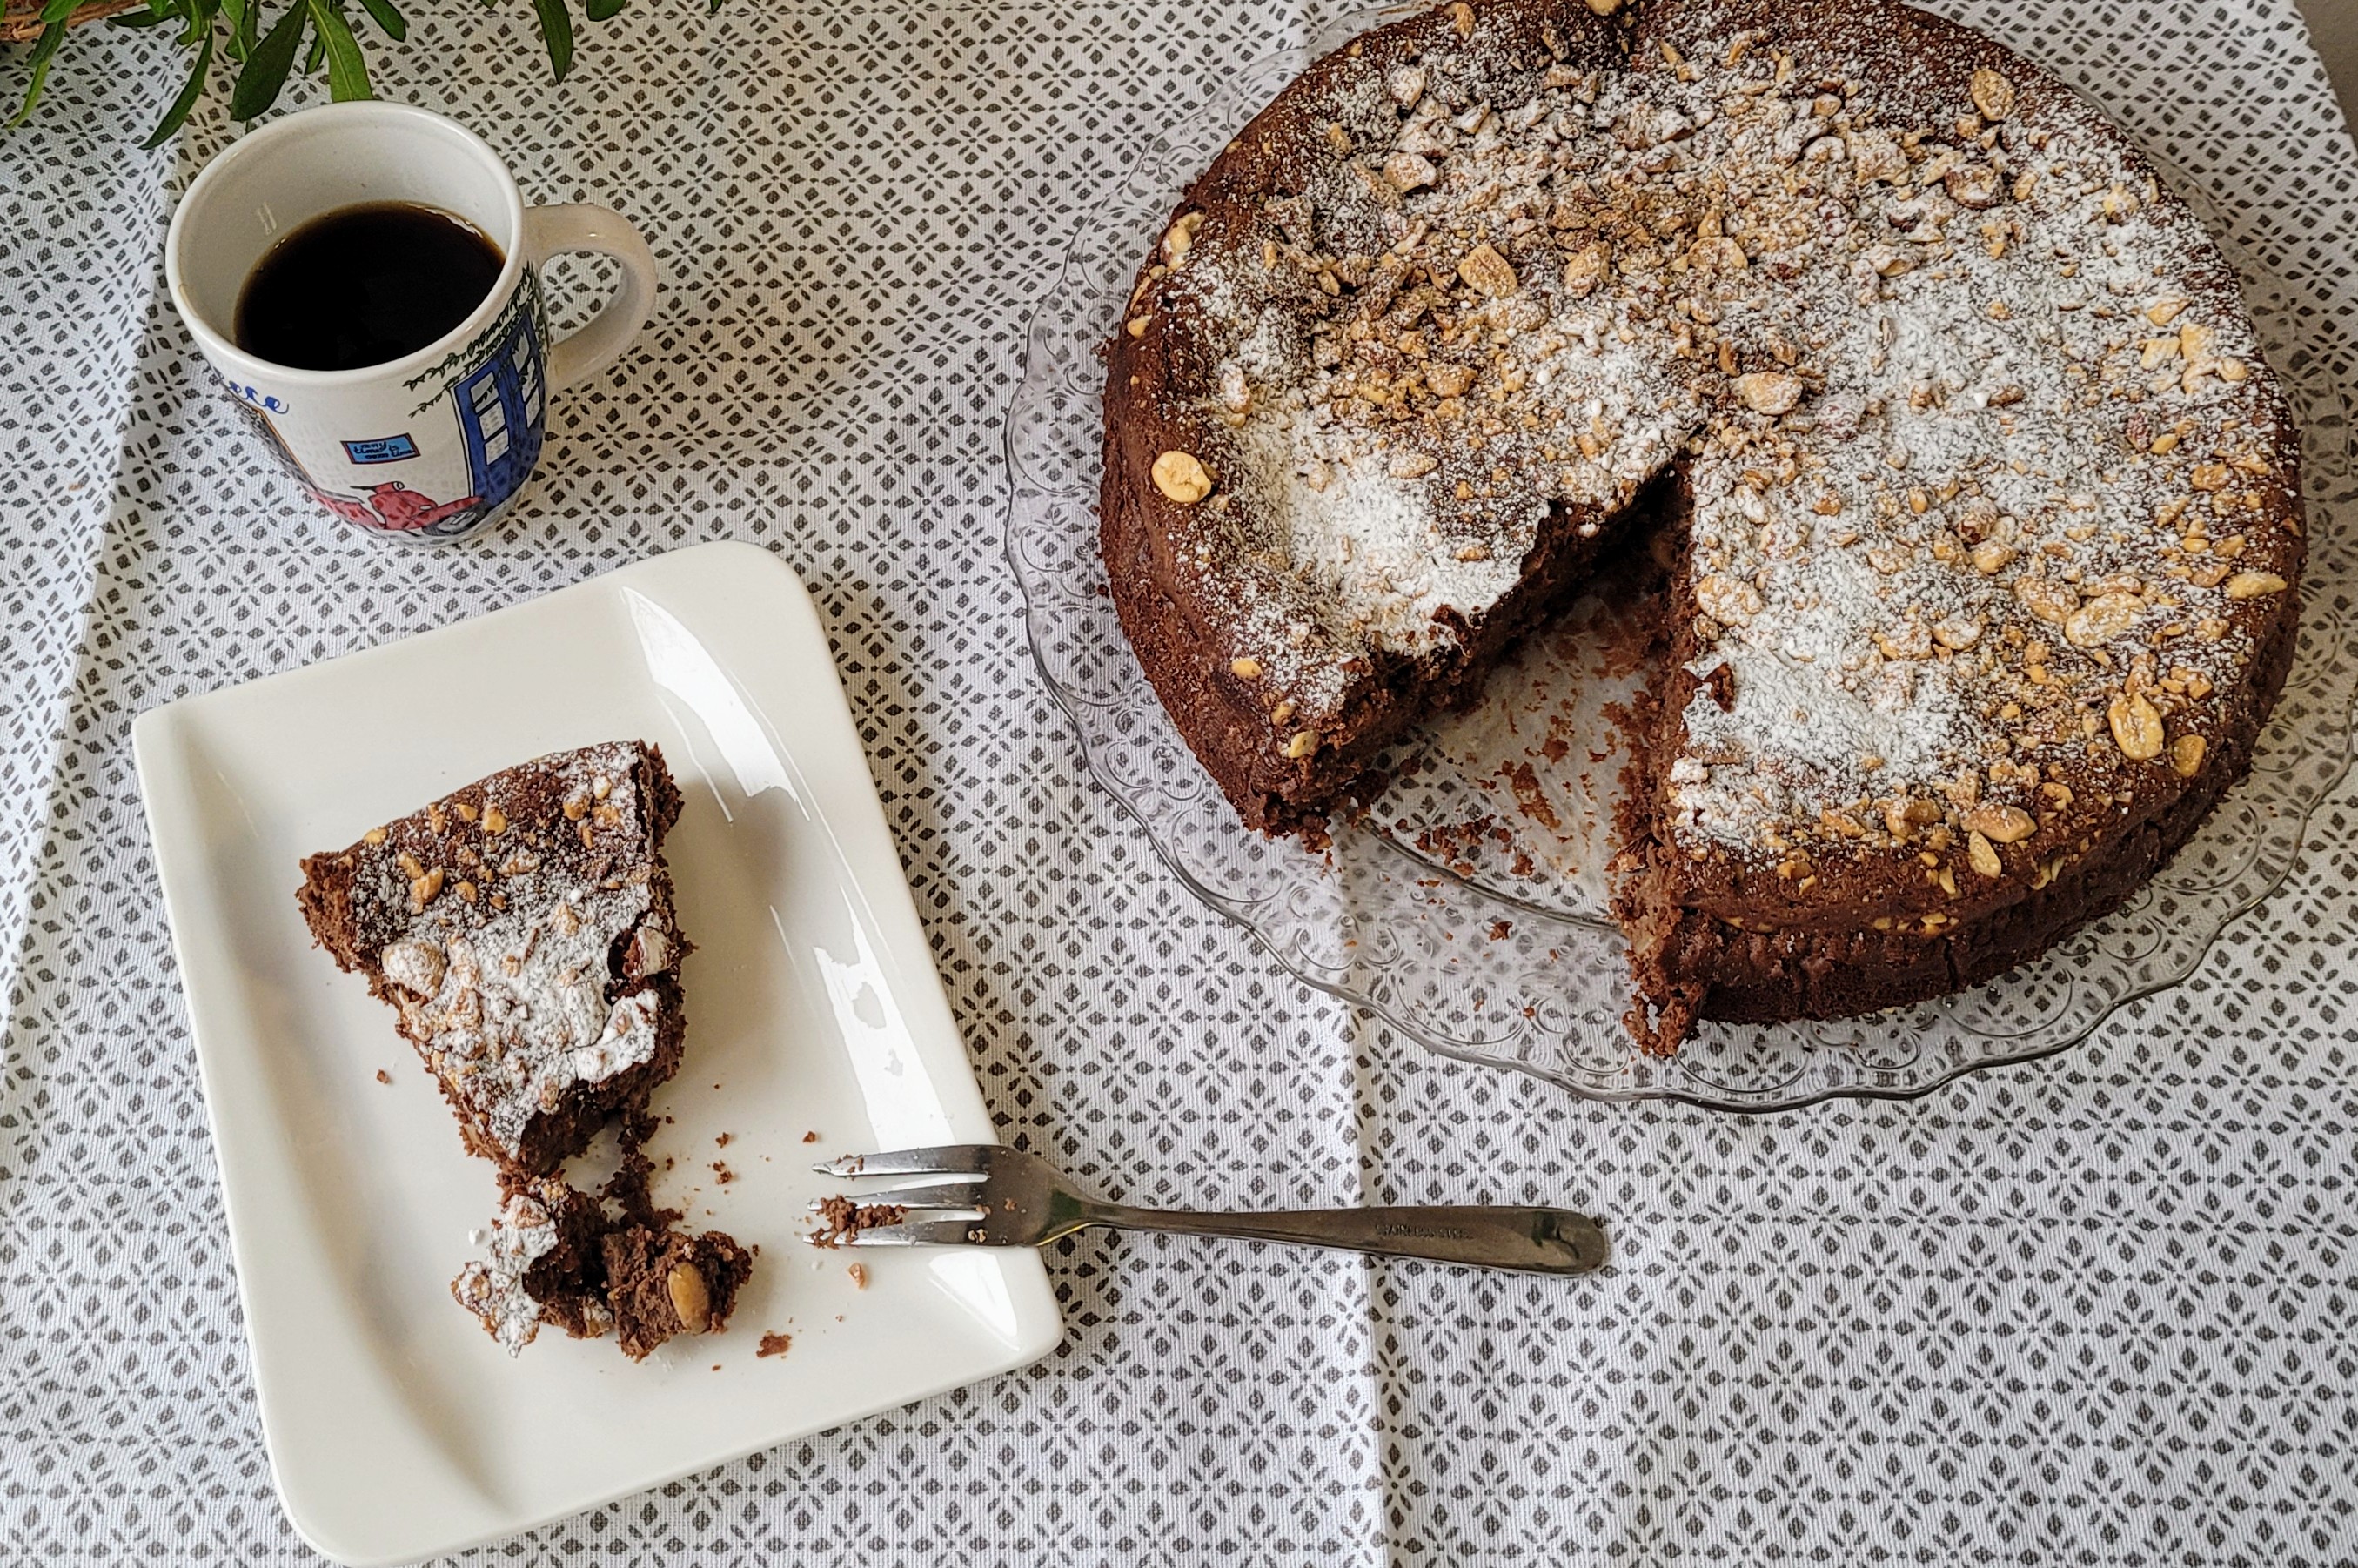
(521,928)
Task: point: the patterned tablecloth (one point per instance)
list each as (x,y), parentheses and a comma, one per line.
(2094,1311)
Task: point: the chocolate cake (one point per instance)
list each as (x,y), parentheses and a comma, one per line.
(522,928)
(543,1262)
(1988,509)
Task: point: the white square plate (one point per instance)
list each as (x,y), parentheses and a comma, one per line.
(396,1428)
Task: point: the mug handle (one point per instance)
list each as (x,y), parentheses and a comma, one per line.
(553,231)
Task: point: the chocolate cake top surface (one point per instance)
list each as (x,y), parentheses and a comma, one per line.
(501,927)
(1989,484)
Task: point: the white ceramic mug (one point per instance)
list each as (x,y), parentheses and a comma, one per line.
(437,443)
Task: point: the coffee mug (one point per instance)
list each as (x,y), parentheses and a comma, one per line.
(437,443)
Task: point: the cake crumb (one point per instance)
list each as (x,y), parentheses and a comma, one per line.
(722,1174)
(810,1137)
(858,1273)
(382,1077)
(722,1142)
(841,1219)
(774,1343)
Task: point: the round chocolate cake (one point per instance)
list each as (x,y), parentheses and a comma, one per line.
(1985,509)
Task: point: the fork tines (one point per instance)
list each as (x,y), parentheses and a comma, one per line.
(942,1159)
(966,1163)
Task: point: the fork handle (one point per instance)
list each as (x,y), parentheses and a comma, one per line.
(1531,1239)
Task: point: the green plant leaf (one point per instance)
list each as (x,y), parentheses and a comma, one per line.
(557,29)
(38,64)
(266,62)
(160,11)
(186,101)
(602,10)
(200,13)
(389,21)
(241,14)
(348,75)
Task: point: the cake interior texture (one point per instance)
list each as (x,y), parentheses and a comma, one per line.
(522,929)
(1989,529)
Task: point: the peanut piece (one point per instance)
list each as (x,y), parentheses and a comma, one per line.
(1993,94)
(2001,824)
(2135,726)
(1984,859)
(690,1298)
(1181,477)
(1768,392)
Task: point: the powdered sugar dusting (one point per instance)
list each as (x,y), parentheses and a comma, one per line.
(521,1013)
(521,1234)
(503,971)
(1932,581)
(1363,537)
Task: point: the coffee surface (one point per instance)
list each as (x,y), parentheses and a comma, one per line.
(364,284)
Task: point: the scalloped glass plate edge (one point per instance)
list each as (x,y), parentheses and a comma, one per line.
(2261,829)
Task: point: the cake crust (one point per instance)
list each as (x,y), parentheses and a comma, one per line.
(1990,508)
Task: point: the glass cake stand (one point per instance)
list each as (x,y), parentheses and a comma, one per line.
(1466,909)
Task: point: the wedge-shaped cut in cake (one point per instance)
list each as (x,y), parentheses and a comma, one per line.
(522,928)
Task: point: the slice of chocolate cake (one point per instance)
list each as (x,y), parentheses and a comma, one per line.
(523,929)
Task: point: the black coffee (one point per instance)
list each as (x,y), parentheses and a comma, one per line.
(364,284)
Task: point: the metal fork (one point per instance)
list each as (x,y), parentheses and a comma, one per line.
(1004,1197)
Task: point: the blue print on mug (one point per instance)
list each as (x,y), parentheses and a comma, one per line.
(502,406)
(494,391)
(381,450)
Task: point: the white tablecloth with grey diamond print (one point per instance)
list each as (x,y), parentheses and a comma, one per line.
(2094,1311)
